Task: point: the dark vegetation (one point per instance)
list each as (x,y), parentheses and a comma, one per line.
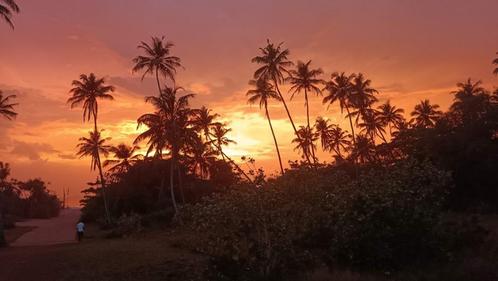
(396,197)
(22,200)
(398,194)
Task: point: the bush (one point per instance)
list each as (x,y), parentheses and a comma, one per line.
(383,220)
(126,225)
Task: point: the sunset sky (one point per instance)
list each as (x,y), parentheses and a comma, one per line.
(411,50)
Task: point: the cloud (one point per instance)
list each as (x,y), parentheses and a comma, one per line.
(32,151)
(67,156)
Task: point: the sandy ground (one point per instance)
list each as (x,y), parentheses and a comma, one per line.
(59,230)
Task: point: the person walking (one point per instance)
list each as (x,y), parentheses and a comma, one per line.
(80,230)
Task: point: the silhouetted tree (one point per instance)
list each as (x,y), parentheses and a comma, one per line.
(7,107)
(304,79)
(305,142)
(87,91)
(390,116)
(124,157)
(7,9)
(200,157)
(364,149)
(274,67)
(169,127)
(204,122)
(471,101)
(94,146)
(157,60)
(262,93)
(372,126)
(339,88)
(362,97)
(425,114)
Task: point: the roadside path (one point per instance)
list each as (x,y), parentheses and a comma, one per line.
(59,230)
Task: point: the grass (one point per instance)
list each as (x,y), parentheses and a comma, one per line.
(159,254)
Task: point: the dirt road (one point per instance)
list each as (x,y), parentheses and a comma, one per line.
(59,230)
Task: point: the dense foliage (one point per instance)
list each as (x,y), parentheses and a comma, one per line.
(385,219)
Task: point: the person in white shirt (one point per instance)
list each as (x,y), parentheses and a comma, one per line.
(80,230)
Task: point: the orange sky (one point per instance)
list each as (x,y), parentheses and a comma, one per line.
(410,49)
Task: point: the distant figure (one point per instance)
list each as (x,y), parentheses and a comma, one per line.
(80,230)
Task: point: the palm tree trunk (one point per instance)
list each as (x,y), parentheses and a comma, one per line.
(102,182)
(274,139)
(308,120)
(157,80)
(290,117)
(351,124)
(171,186)
(180,184)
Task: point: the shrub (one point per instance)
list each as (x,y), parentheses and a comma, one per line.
(385,219)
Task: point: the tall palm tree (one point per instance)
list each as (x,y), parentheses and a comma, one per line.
(94,146)
(204,122)
(124,157)
(87,91)
(339,88)
(7,107)
(7,9)
(425,114)
(495,62)
(362,97)
(157,60)
(305,142)
(169,128)
(274,64)
(364,149)
(262,93)
(390,116)
(304,79)
(372,126)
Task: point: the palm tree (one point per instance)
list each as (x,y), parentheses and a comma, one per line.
(200,157)
(339,89)
(219,134)
(305,141)
(87,91)
(168,128)
(339,141)
(204,122)
(7,9)
(124,158)
(94,146)
(425,114)
(324,130)
(274,63)
(157,60)
(362,97)
(372,126)
(262,93)
(471,100)
(305,79)
(495,62)
(364,149)
(390,116)
(7,107)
